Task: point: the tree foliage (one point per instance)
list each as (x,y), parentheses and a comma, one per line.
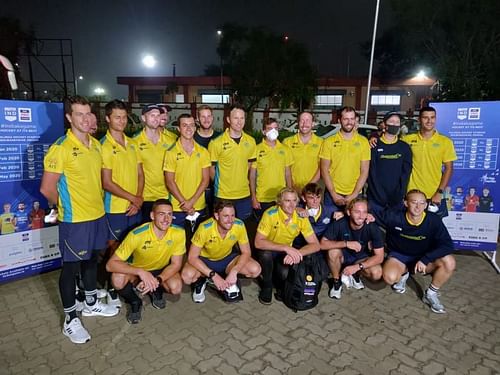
(458,40)
(262,65)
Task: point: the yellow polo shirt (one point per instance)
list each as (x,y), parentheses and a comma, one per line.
(7,223)
(306,158)
(270,165)
(152,156)
(122,161)
(231,165)
(142,249)
(213,246)
(272,225)
(345,157)
(188,171)
(79,186)
(428,157)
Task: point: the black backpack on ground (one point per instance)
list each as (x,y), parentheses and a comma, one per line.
(303,283)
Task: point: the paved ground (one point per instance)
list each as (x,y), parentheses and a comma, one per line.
(372,331)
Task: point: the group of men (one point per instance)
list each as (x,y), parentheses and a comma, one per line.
(164,194)
(21,220)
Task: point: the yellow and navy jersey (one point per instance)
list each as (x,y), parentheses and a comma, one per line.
(122,161)
(188,171)
(142,249)
(212,245)
(270,165)
(152,156)
(428,158)
(231,165)
(306,158)
(273,227)
(79,186)
(345,157)
(7,223)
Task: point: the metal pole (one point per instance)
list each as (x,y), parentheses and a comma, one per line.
(221,81)
(368,88)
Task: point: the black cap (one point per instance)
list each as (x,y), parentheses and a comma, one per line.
(165,107)
(150,107)
(392,113)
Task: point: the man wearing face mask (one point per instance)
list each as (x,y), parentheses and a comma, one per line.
(271,171)
(390,168)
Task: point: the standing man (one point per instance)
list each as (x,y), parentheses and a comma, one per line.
(271,171)
(22,219)
(187,173)
(205,132)
(7,220)
(232,154)
(471,201)
(219,252)
(345,161)
(152,145)
(353,248)
(390,168)
(93,124)
(433,156)
(418,241)
(36,216)
(277,230)
(149,259)
(485,201)
(305,147)
(72,180)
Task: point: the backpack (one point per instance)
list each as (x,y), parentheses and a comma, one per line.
(303,283)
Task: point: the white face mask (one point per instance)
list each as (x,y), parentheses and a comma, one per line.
(272,135)
(313,211)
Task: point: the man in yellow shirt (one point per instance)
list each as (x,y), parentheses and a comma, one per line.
(149,259)
(219,251)
(72,180)
(277,229)
(305,147)
(187,174)
(433,156)
(345,162)
(152,143)
(271,171)
(7,220)
(232,154)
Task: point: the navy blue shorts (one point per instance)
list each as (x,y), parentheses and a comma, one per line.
(352,257)
(408,260)
(120,224)
(220,266)
(179,218)
(77,241)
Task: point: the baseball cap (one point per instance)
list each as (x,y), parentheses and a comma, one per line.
(392,113)
(150,107)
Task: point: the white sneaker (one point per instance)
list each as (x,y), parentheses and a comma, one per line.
(113,301)
(99,309)
(199,291)
(346,280)
(357,284)
(335,291)
(79,306)
(76,332)
(102,293)
(400,286)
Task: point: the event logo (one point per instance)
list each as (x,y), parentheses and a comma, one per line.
(24,114)
(10,113)
(474,113)
(462,113)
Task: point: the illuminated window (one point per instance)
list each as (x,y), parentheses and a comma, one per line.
(214,98)
(385,100)
(329,100)
(179,98)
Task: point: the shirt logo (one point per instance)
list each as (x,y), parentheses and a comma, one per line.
(76,151)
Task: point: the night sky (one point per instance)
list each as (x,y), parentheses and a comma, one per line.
(111,37)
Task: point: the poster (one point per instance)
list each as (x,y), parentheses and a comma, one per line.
(27,244)
(473,195)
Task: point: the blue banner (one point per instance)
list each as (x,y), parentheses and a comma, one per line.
(28,245)
(473,195)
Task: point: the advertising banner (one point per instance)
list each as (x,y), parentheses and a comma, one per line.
(28,245)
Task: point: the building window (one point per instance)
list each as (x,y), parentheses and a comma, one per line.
(380,100)
(214,98)
(179,98)
(329,100)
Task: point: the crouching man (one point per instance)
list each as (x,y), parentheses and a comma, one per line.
(418,241)
(214,256)
(149,261)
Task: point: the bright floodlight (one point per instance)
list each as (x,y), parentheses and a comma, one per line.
(99,91)
(219,32)
(80,77)
(420,74)
(149,61)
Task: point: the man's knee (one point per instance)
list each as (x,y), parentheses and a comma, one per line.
(119,280)
(374,273)
(391,275)
(253,269)
(174,285)
(188,275)
(335,255)
(447,263)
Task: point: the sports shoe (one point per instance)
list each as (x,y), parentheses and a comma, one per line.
(99,309)
(157,299)
(356,282)
(400,286)
(102,293)
(75,331)
(335,289)
(113,299)
(199,290)
(79,306)
(346,280)
(266,296)
(433,301)
(134,313)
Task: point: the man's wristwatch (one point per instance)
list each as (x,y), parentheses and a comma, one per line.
(440,191)
(361,267)
(211,275)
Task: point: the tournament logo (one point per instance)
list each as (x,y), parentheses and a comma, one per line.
(25,115)
(461,113)
(10,113)
(474,113)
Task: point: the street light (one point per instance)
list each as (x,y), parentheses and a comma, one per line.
(79,78)
(149,61)
(219,34)
(99,91)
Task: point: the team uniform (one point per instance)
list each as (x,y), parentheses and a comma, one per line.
(231,160)
(428,158)
(122,161)
(204,141)
(7,221)
(390,168)
(319,224)
(22,221)
(306,157)
(36,218)
(457,202)
(142,249)
(485,204)
(217,252)
(471,203)
(345,157)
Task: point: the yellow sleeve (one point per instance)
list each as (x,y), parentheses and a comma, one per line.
(169,161)
(213,148)
(205,158)
(288,156)
(323,152)
(449,151)
(127,247)
(305,227)
(180,242)
(265,225)
(366,152)
(198,237)
(107,157)
(55,159)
